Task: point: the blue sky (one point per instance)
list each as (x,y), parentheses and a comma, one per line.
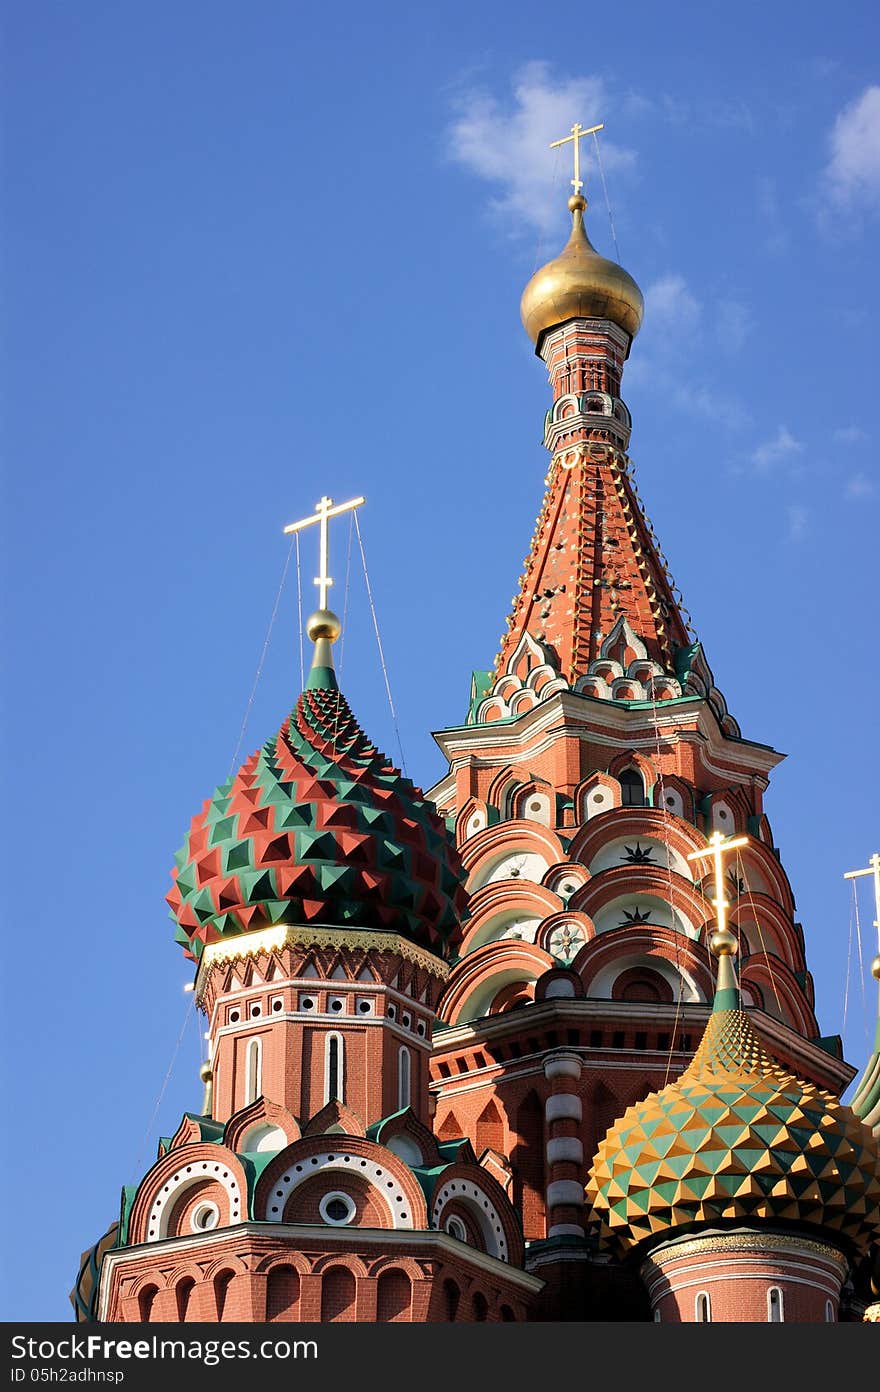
(257,253)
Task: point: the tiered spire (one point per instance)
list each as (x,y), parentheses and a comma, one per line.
(592,563)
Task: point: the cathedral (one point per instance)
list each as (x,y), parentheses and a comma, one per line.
(539,1043)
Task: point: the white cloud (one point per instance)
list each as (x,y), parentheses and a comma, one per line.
(859,486)
(670,360)
(693,397)
(854,167)
(781,446)
(797,522)
(669,304)
(507,142)
(851,435)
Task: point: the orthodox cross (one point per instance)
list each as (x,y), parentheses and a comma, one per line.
(873,868)
(577,133)
(717,849)
(324,510)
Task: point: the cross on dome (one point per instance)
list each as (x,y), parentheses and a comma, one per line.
(577,133)
(324,510)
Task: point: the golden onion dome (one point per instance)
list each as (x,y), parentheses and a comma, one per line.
(737,1139)
(580,284)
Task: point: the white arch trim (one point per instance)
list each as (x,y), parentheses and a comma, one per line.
(339,1164)
(186,1178)
(480,1205)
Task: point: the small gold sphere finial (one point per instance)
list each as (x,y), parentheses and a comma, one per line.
(722,943)
(577,203)
(323,624)
(206,1073)
(875,968)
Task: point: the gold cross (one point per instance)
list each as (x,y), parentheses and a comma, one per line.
(324,510)
(577,132)
(717,849)
(873,868)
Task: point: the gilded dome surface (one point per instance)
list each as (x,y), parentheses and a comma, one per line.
(318,827)
(580,284)
(736,1137)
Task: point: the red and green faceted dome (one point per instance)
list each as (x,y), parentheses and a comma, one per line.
(318,827)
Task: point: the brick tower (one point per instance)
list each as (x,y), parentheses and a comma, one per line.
(320,896)
(427,1014)
(597,759)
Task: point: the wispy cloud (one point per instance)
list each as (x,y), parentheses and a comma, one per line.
(850,435)
(798,520)
(670,304)
(677,324)
(859,486)
(685,391)
(853,171)
(732,325)
(779,447)
(539,110)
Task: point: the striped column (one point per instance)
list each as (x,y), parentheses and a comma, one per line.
(565,1153)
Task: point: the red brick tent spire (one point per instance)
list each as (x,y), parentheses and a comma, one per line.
(594,577)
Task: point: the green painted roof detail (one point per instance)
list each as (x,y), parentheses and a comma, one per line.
(318,826)
(736,1138)
(129,1192)
(481,685)
(84,1296)
(683,660)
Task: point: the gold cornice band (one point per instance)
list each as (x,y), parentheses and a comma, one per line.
(767,1241)
(320,935)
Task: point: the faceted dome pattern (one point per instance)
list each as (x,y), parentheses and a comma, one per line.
(318,827)
(736,1138)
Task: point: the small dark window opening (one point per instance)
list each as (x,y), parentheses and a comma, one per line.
(632,789)
(617,1039)
(333,1069)
(595,1039)
(641,1039)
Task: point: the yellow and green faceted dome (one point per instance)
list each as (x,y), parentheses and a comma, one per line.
(736,1140)
(318,827)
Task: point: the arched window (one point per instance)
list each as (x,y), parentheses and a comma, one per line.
(829,1312)
(253,1070)
(146,1300)
(393,1297)
(337,1295)
(775,1313)
(657,1315)
(451,1298)
(404,1077)
(480,1308)
(184,1292)
(334,1068)
(282,1295)
(702,1309)
(632,789)
(221,1287)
